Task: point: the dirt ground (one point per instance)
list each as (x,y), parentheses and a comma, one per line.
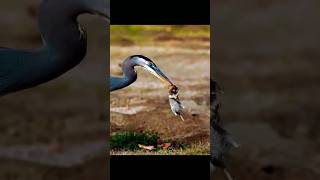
(144,105)
(56,130)
(267,62)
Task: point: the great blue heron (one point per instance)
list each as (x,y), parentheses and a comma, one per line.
(64,45)
(130,75)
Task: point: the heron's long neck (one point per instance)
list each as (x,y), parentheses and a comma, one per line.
(61,33)
(64,42)
(64,47)
(129,76)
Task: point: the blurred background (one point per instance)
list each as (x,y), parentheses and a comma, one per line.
(266,60)
(56,130)
(183,54)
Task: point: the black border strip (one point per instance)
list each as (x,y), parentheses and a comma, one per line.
(161,12)
(159,167)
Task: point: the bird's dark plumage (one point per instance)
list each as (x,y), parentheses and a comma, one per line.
(221,140)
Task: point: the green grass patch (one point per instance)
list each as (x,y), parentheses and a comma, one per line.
(127,143)
(130,140)
(197,148)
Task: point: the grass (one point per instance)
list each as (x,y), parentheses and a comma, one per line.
(146,34)
(193,149)
(130,140)
(126,143)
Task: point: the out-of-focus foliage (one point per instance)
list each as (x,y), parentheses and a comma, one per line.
(148,33)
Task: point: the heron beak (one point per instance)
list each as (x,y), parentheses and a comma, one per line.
(153,69)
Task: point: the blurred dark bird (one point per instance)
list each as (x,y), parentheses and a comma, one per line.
(130,74)
(221,140)
(64,45)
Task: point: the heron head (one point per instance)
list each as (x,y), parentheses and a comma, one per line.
(151,67)
(97,7)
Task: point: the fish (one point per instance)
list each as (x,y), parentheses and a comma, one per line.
(174,101)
